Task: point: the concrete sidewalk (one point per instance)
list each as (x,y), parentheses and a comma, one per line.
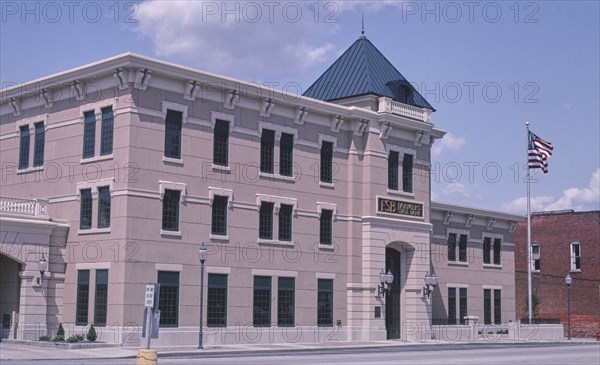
(17,351)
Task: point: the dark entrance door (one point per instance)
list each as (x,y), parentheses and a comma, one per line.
(392,300)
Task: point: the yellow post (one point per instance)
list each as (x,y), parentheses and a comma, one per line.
(147,357)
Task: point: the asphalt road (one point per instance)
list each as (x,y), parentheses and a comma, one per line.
(535,354)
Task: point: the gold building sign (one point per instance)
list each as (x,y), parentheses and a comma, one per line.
(399,207)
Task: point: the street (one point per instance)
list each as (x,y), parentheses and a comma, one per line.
(532,354)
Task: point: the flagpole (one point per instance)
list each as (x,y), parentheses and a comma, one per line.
(529,303)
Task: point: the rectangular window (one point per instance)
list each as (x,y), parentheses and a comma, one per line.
(487,306)
(85,212)
(452,247)
(285,222)
(327,162)
(262,301)
(103,207)
(325,229)
(451,305)
(497,250)
(487,248)
(216,308)
(536,255)
(462,248)
(393,159)
(286,154)
(267,151)
(89,134)
(325,303)
(173,125)
(462,311)
(497,306)
(575,256)
(170,210)
(221,143)
(101,298)
(107,131)
(286,288)
(24,148)
(219,216)
(83,297)
(407,173)
(168,302)
(265,224)
(38,145)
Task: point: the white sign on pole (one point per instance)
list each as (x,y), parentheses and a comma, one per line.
(149,302)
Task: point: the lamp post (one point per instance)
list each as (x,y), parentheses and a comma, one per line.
(42,266)
(431,282)
(385,280)
(568,281)
(202,258)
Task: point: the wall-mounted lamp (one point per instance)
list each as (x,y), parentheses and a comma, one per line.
(386,280)
(431,282)
(42,266)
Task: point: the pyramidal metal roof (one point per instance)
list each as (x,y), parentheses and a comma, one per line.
(363,70)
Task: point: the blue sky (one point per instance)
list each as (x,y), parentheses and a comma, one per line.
(487,67)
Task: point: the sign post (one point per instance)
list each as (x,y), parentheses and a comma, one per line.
(150,326)
(149,303)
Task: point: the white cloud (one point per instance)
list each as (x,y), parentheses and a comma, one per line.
(578,199)
(247,38)
(466,191)
(450,143)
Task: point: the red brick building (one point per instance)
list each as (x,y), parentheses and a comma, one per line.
(562,242)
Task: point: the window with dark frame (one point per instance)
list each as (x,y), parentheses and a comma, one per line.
(327,162)
(497,250)
(487,248)
(575,256)
(393,160)
(462,248)
(325,303)
(407,173)
(451,305)
(265,221)
(219,216)
(103,207)
(267,151)
(462,311)
(168,302)
(83,297)
(452,247)
(497,306)
(24,147)
(286,289)
(85,211)
(487,306)
(173,126)
(89,134)
(286,154)
(261,314)
(101,298)
(285,222)
(170,210)
(38,145)
(325,227)
(216,307)
(221,143)
(536,251)
(107,131)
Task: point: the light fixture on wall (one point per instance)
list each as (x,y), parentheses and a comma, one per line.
(431,282)
(42,266)
(386,281)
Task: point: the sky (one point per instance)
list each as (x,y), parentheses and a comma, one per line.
(486,66)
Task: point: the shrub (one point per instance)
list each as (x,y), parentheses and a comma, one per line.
(44,338)
(73,339)
(60,331)
(91,335)
(80,337)
(59,338)
(502,332)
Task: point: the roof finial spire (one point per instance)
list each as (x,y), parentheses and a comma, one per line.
(362,32)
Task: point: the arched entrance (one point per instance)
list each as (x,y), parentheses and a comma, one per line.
(10,288)
(392,299)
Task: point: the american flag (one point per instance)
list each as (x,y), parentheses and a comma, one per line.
(539,151)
